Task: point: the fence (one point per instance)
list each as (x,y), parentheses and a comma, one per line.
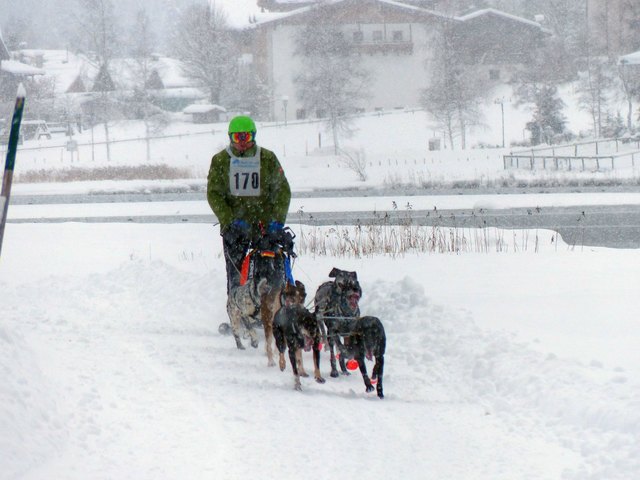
(563,162)
(602,154)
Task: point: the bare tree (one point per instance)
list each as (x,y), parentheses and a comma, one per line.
(594,87)
(333,81)
(144,77)
(203,42)
(630,82)
(98,38)
(356,161)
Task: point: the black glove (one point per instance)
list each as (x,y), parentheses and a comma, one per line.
(237,231)
(284,238)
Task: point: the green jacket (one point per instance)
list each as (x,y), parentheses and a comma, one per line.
(271,202)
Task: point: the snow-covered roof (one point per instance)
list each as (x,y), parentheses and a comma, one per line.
(64,66)
(184,92)
(630,59)
(414,8)
(203,108)
(500,13)
(17,68)
(283,15)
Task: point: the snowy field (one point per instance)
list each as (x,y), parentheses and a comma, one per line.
(499,365)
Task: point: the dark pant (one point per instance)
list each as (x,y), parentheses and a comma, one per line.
(234,249)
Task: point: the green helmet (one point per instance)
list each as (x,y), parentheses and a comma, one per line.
(242,124)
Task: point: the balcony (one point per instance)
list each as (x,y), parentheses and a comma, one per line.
(385,48)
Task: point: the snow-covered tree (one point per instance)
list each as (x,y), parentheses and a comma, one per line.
(203,42)
(332,80)
(455,89)
(98,37)
(548,120)
(595,86)
(145,78)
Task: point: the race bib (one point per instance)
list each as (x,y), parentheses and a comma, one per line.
(244,175)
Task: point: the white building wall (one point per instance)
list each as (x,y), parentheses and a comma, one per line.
(396,79)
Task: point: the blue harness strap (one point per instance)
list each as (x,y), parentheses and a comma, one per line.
(287,270)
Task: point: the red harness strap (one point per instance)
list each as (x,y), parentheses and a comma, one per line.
(244,270)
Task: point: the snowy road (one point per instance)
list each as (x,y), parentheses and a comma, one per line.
(597,219)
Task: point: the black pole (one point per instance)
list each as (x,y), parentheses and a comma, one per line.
(14,135)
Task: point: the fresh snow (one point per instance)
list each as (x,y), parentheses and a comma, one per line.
(500,365)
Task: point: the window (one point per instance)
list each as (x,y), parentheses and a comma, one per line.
(377,35)
(397,36)
(301,114)
(358,37)
(494,74)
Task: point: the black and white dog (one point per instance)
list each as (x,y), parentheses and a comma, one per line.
(296,328)
(337,304)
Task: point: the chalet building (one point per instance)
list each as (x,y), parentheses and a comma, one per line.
(276,6)
(614,26)
(396,41)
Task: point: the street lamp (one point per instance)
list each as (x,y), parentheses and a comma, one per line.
(500,101)
(285,101)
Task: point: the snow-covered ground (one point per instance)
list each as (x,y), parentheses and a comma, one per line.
(499,365)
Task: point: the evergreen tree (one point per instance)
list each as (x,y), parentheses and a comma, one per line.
(548,120)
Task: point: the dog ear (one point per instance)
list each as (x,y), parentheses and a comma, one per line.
(334,272)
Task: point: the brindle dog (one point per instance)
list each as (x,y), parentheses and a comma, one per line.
(367,338)
(296,328)
(337,304)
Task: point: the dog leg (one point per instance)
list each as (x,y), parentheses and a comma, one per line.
(332,358)
(344,352)
(254,337)
(363,370)
(316,364)
(236,323)
(299,363)
(269,305)
(296,378)
(377,374)
(281,362)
